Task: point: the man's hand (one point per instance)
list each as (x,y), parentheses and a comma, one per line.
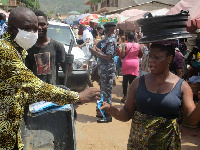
(87,40)
(89,95)
(97,49)
(92,49)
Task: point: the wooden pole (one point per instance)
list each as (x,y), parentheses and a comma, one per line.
(7,5)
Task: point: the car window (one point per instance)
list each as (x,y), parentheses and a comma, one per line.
(61,34)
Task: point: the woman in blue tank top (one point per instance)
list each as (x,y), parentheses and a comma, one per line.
(155,102)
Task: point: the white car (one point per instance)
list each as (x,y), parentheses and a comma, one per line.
(79,77)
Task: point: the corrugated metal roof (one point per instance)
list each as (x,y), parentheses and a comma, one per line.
(139,2)
(152,2)
(172,2)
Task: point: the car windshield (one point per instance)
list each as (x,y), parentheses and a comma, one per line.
(61,34)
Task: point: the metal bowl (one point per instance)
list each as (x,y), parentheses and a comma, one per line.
(161,28)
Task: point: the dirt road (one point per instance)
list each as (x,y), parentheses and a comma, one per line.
(91,135)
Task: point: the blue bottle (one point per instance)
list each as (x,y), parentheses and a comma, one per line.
(99,104)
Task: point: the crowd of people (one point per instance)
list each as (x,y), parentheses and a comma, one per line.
(154,89)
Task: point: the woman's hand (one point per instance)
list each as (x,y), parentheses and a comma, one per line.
(105,106)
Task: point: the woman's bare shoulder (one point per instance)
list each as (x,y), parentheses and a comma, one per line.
(184,86)
(174,78)
(135,83)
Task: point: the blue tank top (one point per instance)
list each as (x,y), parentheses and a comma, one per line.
(162,105)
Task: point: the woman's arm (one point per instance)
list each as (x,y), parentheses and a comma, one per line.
(140,52)
(123,51)
(125,113)
(191,113)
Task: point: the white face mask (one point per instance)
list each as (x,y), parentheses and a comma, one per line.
(26,39)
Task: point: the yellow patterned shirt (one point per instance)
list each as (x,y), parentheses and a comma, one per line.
(19,87)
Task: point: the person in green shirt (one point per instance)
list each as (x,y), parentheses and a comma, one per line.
(18,85)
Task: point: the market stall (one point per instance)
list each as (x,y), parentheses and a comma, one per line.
(193,7)
(193,59)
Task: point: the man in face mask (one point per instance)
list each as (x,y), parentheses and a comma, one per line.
(18,85)
(23,31)
(3,26)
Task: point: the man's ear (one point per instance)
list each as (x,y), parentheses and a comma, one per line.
(13,31)
(9,29)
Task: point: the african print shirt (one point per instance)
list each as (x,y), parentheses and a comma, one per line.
(19,87)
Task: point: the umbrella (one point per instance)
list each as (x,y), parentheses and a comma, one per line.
(131,12)
(71,18)
(95,21)
(193,6)
(86,20)
(82,16)
(130,24)
(120,18)
(159,12)
(74,13)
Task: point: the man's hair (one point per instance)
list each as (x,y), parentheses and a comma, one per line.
(41,13)
(131,35)
(82,26)
(18,13)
